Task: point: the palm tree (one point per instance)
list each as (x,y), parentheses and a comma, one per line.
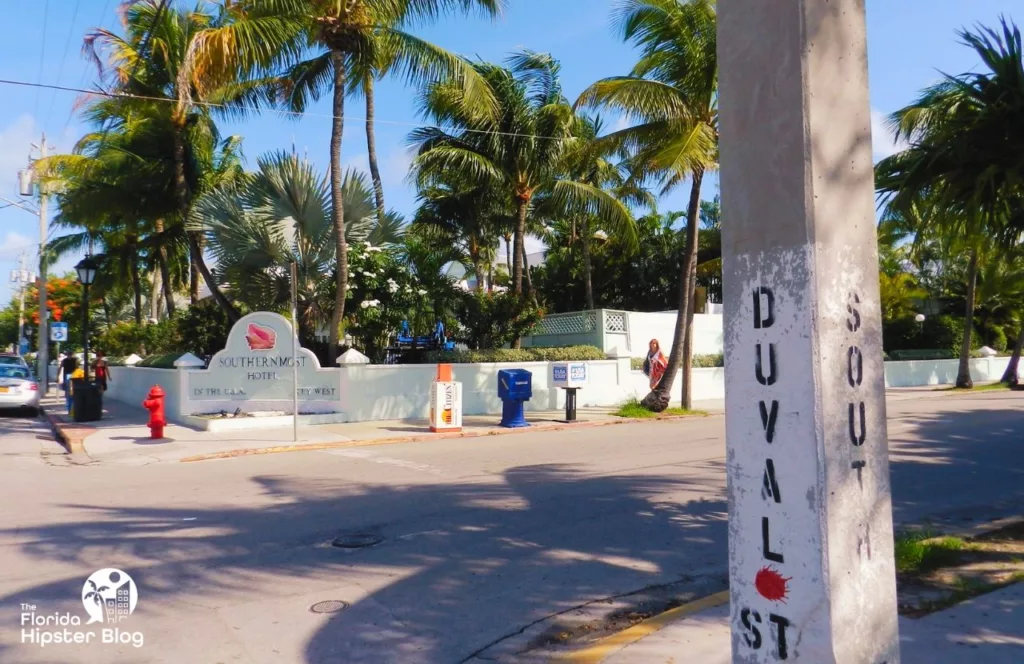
(463,215)
(520,151)
(672,94)
(259,224)
(965,135)
(332,45)
(156,58)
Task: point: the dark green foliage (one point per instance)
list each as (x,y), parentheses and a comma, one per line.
(203,328)
(493,320)
(165,361)
(939,333)
(127,338)
(699,362)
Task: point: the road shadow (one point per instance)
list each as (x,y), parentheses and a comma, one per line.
(466,565)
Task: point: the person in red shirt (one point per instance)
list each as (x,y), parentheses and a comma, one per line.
(102,370)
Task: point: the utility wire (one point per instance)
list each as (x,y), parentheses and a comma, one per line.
(42,53)
(234,107)
(63,59)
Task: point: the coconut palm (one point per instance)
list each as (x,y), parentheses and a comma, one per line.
(330,46)
(965,135)
(258,225)
(519,152)
(466,216)
(155,59)
(672,96)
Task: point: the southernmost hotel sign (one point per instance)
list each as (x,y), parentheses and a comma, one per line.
(256,365)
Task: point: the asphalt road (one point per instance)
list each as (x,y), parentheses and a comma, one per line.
(488,547)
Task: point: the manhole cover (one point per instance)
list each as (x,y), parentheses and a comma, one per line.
(329,606)
(356,540)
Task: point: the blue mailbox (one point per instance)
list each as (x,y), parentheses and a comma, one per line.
(515,387)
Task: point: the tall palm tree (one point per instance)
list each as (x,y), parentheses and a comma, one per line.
(463,215)
(259,224)
(155,59)
(966,135)
(329,45)
(672,95)
(520,151)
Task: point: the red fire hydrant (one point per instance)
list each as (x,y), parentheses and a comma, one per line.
(154,403)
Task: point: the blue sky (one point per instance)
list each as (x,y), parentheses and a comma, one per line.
(909,42)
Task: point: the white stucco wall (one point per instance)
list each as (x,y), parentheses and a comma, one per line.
(390,392)
(707,332)
(131,385)
(941,372)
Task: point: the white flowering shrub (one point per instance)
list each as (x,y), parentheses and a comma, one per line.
(381,294)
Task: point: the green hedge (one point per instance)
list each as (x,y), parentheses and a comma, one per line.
(699,362)
(160,361)
(921,354)
(566,354)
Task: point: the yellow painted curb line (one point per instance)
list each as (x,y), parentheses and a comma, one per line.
(600,650)
(421,438)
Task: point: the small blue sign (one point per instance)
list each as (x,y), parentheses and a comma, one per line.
(58,331)
(560,373)
(22,346)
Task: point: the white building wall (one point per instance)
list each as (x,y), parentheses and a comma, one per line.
(393,392)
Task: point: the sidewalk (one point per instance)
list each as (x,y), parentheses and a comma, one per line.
(122,436)
(988,628)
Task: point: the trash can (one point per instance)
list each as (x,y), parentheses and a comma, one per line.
(515,388)
(86,401)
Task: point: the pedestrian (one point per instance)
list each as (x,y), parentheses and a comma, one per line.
(67,367)
(655,363)
(102,370)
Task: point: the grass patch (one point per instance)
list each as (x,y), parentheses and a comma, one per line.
(991,387)
(919,552)
(634,410)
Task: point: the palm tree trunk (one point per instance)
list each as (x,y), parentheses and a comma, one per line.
(338,204)
(165,270)
(963,374)
(136,282)
(1010,375)
(154,297)
(529,278)
(517,250)
(195,252)
(371,148)
(658,399)
(193,281)
(588,288)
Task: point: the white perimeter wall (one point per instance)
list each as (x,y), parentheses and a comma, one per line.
(392,392)
(707,332)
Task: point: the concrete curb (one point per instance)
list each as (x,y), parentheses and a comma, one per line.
(606,646)
(424,437)
(70,436)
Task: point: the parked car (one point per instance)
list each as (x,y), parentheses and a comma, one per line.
(13,359)
(18,388)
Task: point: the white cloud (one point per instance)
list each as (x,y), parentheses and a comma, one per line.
(15,143)
(883,144)
(14,243)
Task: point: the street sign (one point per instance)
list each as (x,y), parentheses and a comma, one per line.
(58,331)
(22,346)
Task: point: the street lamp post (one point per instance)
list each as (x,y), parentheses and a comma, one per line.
(920,326)
(86,270)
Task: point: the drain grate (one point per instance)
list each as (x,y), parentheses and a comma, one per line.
(329,606)
(356,540)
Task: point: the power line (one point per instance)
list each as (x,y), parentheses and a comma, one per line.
(63,59)
(231,107)
(85,71)
(42,53)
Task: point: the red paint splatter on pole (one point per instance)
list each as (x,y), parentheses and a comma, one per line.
(772,585)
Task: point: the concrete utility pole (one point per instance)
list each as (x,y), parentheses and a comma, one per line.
(21,278)
(810,517)
(43,342)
